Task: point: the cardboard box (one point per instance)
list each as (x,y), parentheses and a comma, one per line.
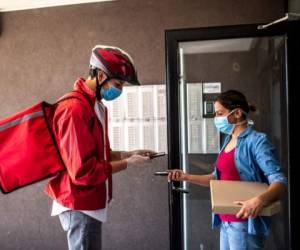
(224,193)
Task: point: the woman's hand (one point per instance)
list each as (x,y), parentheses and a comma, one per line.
(250,208)
(177,175)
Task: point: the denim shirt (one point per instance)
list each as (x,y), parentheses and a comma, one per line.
(255,161)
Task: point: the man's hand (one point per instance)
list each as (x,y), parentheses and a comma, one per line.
(137,159)
(142,152)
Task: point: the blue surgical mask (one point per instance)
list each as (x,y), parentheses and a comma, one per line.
(224,126)
(111,93)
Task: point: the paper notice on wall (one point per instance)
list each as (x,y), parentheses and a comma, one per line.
(203,137)
(117,109)
(137,119)
(161,142)
(147,102)
(116,135)
(211,138)
(131,102)
(132,136)
(160,107)
(147,135)
(194,117)
(194,137)
(211,87)
(194,101)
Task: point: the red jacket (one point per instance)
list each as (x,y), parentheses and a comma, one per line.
(79,135)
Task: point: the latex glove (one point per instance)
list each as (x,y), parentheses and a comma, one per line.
(142,152)
(136,160)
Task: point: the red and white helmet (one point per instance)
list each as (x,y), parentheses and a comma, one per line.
(115,62)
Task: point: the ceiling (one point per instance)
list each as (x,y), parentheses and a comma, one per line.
(13,5)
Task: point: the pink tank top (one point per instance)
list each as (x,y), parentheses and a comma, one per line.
(227,169)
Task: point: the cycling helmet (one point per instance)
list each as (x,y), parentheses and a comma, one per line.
(115,62)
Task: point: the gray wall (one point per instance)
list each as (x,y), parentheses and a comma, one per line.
(294,6)
(43,51)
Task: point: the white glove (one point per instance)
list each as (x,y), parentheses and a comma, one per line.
(137,159)
(142,152)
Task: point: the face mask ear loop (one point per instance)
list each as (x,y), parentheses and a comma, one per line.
(231,112)
(242,122)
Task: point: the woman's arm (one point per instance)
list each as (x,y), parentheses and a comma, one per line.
(265,159)
(202,180)
(252,207)
(274,192)
(264,156)
(179,175)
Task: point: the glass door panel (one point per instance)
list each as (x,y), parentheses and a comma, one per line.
(256,66)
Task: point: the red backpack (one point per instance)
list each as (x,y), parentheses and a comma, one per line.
(28,149)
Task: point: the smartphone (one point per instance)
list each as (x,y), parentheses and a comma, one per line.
(157,155)
(161,173)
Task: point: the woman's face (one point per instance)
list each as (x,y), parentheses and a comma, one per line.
(233,116)
(220,110)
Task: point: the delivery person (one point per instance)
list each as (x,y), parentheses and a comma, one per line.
(246,155)
(81,194)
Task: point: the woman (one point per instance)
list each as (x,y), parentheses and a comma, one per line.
(246,155)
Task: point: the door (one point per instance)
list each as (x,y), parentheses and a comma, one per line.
(261,63)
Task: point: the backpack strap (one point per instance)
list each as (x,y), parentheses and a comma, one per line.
(76,95)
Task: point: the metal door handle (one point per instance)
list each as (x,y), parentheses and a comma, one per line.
(173,188)
(181,190)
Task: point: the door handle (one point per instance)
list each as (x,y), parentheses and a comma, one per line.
(173,188)
(180,190)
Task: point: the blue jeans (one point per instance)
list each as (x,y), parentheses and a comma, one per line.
(83,232)
(234,236)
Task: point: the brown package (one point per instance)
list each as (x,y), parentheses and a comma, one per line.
(224,193)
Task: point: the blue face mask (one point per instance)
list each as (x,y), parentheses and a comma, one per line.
(224,126)
(111,93)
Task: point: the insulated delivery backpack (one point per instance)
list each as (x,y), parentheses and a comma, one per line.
(28,149)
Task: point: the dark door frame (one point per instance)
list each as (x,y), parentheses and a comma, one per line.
(172,40)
